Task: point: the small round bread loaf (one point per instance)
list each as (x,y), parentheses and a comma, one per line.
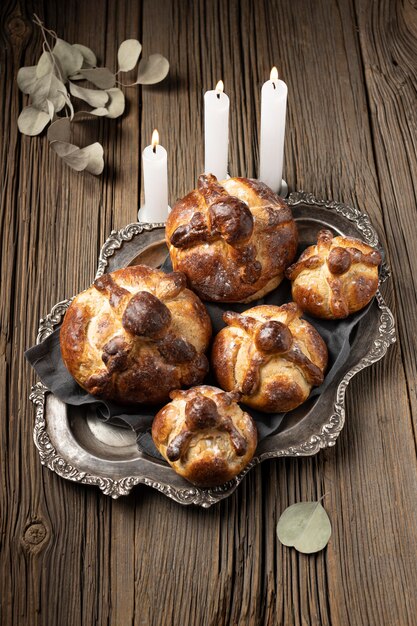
(135,335)
(336,277)
(233,240)
(204,435)
(269,355)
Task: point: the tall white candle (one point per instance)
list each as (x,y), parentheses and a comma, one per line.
(216,131)
(155,182)
(273,111)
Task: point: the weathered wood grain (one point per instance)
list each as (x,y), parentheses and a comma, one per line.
(388,41)
(70,555)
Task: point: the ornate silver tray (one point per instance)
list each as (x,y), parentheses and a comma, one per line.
(73,443)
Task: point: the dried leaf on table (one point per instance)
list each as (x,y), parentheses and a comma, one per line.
(89,158)
(32,121)
(45,83)
(26,78)
(88,55)
(69,104)
(51,109)
(49,87)
(94,153)
(94,97)
(60,130)
(101,77)
(128,54)
(99,111)
(116,106)
(70,59)
(304,526)
(45,64)
(152,70)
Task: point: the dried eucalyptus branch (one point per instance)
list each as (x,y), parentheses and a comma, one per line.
(62,64)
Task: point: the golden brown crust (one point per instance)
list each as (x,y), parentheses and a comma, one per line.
(233,240)
(336,277)
(270,355)
(135,335)
(204,435)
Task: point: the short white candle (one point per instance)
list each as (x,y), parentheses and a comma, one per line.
(216,131)
(155,182)
(273,111)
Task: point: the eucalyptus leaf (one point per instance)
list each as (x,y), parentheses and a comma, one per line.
(49,87)
(99,111)
(304,526)
(128,54)
(45,64)
(152,70)
(101,77)
(88,55)
(68,103)
(89,158)
(51,109)
(116,106)
(60,130)
(64,148)
(45,84)
(94,97)
(32,121)
(26,78)
(70,59)
(94,152)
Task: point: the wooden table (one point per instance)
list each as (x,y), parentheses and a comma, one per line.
(70,555)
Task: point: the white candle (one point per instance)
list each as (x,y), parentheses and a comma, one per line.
(155,182)
(216,131)
(273,111)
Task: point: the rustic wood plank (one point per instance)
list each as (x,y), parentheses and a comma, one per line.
(388,41)
(74,556)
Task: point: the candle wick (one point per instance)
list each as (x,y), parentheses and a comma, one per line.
(218,96)
(273,82)
(154,149)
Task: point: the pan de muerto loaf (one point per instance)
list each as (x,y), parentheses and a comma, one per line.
(233,240)
(336,277)
(270,355)
(204,435)
(135,335)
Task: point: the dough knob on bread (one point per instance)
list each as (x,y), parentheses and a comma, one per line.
(145,315)
(273,336)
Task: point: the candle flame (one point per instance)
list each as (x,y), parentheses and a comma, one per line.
(155,139)
(274,74)
(220,86)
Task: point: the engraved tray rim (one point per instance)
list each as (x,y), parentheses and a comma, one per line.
(327,435)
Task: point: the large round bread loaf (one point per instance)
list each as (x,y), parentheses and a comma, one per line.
(204,435)
(233,240)
(336,277)
(135,335)
(269,355)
